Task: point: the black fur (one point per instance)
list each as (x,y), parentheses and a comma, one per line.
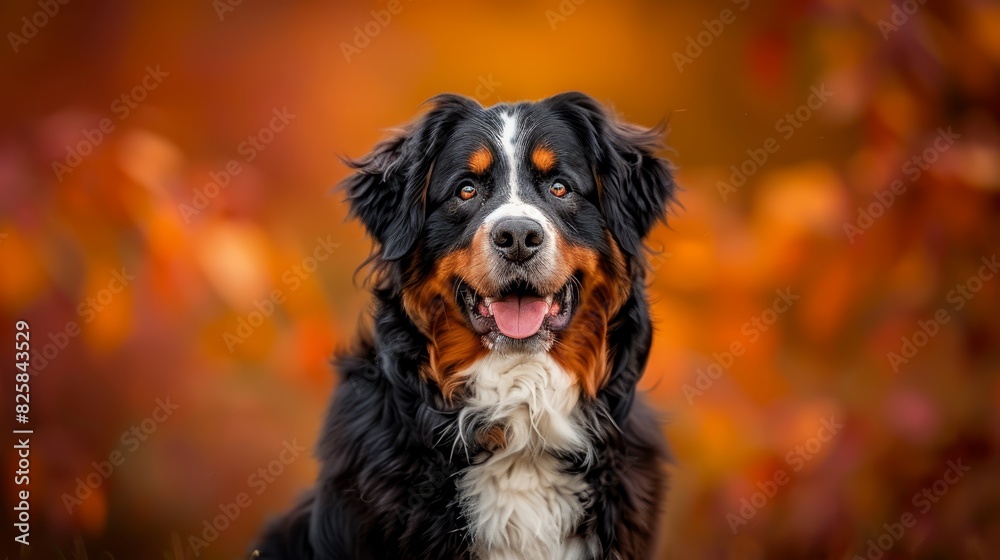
(387,192)
(636,186)
(388,453)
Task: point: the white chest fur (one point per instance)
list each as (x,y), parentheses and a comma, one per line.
(519,503)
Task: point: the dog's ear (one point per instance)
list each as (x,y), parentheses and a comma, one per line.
(635,186)
(387,191)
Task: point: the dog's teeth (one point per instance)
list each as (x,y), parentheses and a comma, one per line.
(549,298)
(485,307)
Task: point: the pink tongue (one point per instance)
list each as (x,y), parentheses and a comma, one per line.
(519,317)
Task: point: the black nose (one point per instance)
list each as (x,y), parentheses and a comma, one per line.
(517,239)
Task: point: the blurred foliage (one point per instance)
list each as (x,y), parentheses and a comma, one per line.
(775,176)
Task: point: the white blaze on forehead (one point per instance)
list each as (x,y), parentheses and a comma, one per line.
(514,206)
(507,132)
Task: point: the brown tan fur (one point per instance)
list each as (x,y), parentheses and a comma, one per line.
(543,158)
(480,160)
(581,349)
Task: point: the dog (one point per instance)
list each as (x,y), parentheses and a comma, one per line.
(489,410)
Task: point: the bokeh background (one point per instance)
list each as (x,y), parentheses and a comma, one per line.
(816,396)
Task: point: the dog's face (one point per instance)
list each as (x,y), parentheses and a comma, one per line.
(513,229)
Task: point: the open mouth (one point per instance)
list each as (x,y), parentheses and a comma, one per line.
(519,312)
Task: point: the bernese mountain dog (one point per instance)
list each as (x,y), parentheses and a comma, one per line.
(490,410)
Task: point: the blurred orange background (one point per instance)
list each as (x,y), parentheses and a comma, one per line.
(827,349)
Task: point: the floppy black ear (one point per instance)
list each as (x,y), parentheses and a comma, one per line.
(387,190)
(635,185)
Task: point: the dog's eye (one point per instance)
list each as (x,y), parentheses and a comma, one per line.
(466,191)
(558,189)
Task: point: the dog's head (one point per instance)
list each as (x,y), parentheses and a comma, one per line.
(514,228)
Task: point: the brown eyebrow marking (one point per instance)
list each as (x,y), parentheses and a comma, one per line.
(543,158)
(480,160)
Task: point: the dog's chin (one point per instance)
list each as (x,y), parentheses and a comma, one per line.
(519,318)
